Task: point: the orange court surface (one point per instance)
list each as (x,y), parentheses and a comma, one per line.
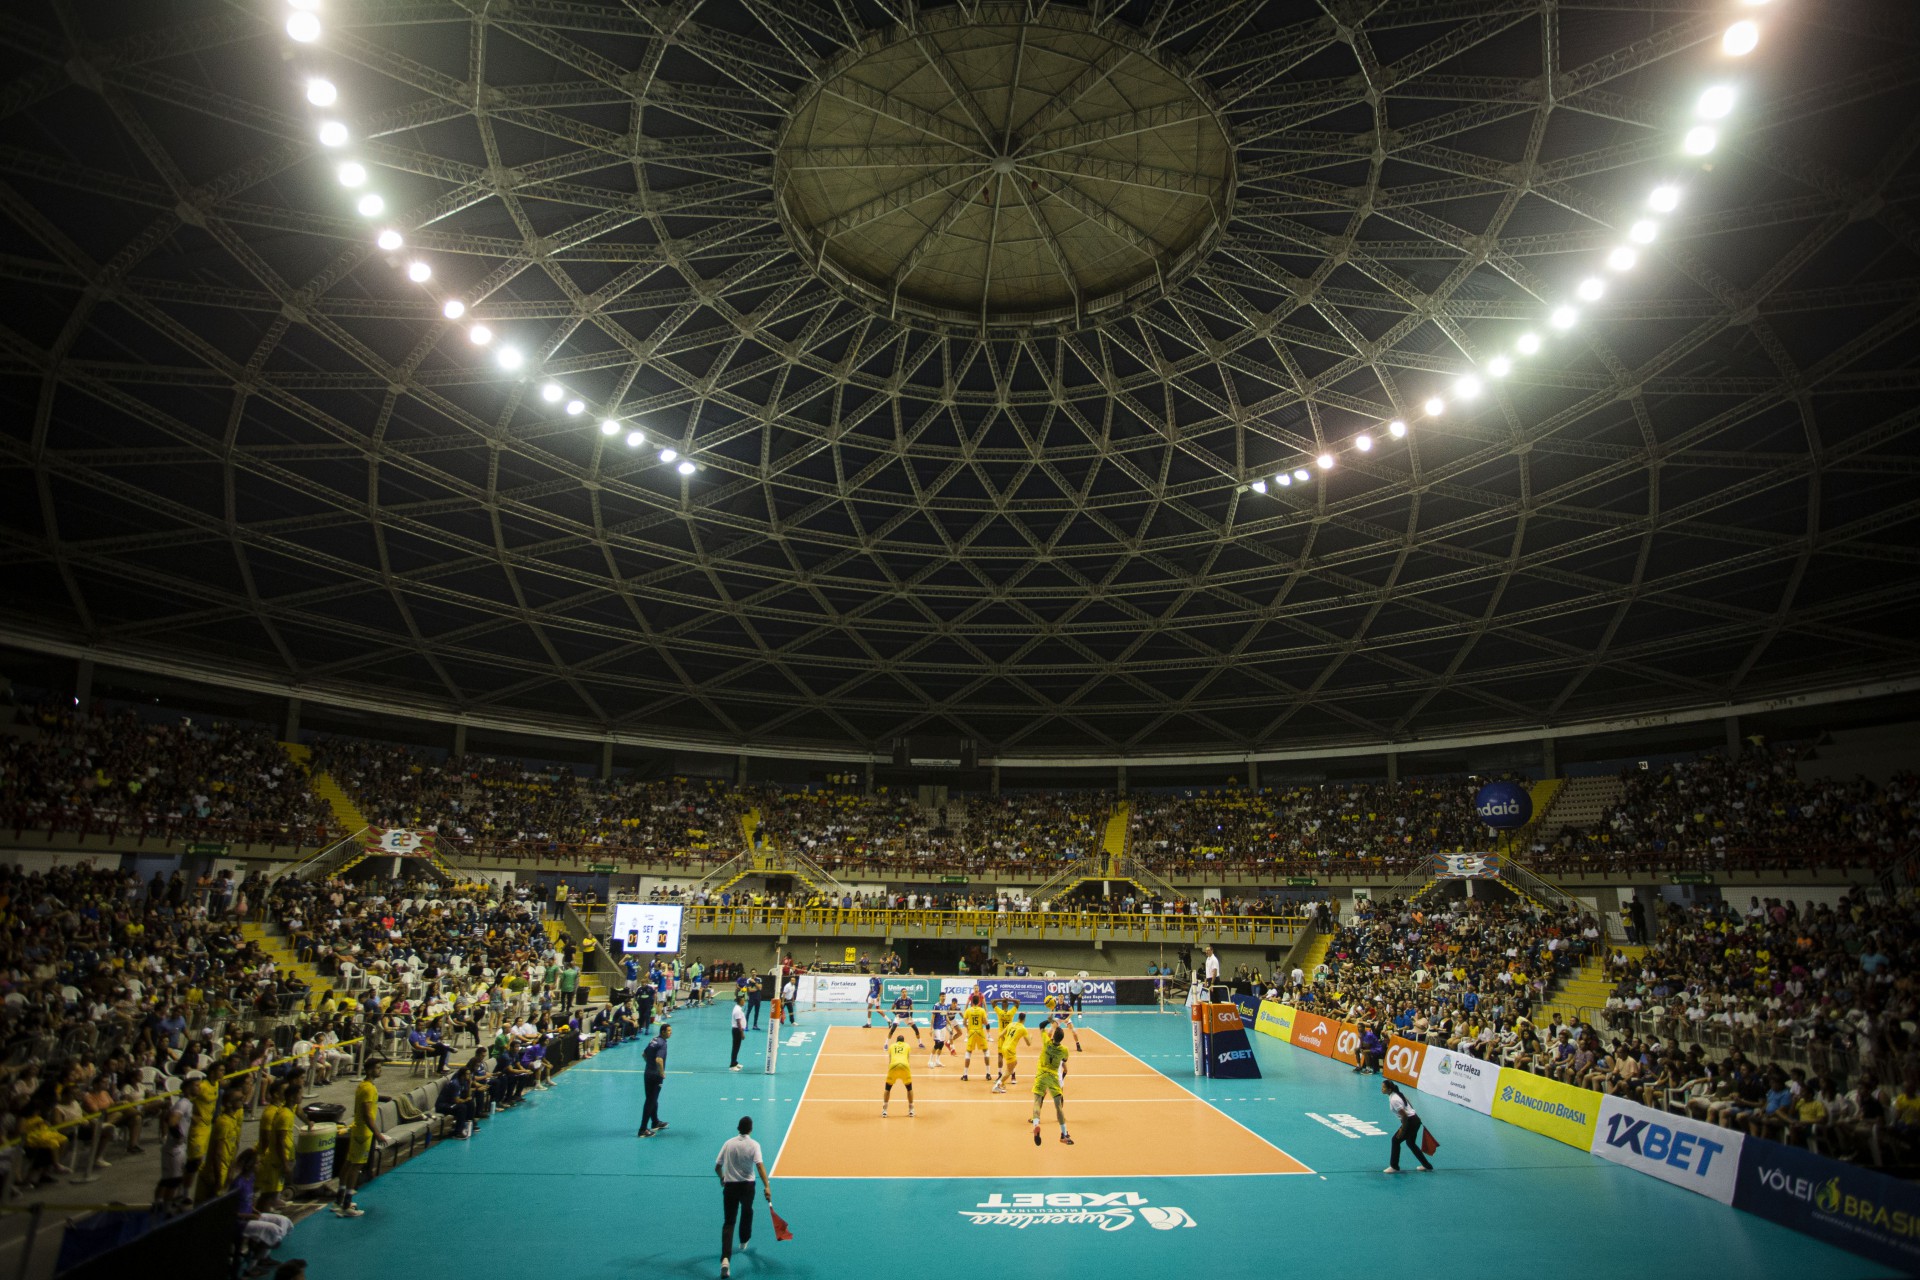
(1127,1120)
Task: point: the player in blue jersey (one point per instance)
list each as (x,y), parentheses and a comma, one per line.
(873,999)
(902,1016)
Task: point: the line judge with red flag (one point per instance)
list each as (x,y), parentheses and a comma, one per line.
(739,1160)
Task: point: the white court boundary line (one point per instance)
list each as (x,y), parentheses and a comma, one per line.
(801,1101)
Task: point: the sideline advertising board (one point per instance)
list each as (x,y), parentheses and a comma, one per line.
(1856,1209)
(1701,1157)
(1564,1112)
(833,988)
(1093,991)
(921,990)
(1402,1065)
(1276,1020)
(1223,1039)
(1318,1033)
(1460,1079)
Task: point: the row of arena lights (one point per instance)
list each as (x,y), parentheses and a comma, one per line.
(304,28)
(1710,109)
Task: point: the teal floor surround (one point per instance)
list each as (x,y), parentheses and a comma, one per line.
(563,1185)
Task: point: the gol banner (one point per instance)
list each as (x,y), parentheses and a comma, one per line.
(1403,1061)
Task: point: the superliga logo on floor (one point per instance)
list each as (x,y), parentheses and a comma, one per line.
(1105,1210)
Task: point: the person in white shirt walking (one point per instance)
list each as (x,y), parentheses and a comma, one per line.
(739,1030)
(1409,1130)
(739,1160)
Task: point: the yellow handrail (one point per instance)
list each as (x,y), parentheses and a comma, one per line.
(835,918)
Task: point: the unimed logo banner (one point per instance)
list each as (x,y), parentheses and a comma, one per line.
(1689,1153)
(1458,1078)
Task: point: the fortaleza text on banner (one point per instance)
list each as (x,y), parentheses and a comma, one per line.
(398,842)
(1458,1078)
(1564,1112)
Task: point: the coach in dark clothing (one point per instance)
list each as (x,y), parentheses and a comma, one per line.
(656,1055)
(456,1100)
(646,1008)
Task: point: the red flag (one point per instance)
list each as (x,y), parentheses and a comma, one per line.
(1429,1143)
(780,1231)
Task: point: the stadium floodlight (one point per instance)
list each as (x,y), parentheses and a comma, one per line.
(1664,198)
(1592,289)
(1302,474)
(609,427)
(479,335)
(668,455)
(389,239)
(1715,103)
(511,358)
(1643,231)
(1563,317)
(333,133)
(1434,406)
(635,439)
(1742,38)
(1258,486)
(1500,366)
(371,206)
(686,468)
(576,407)
(552,392)
(1700,140)
(1284,480)
(303,28)
(1622,259)
(453,308)
(419,272)
(352,174)
(1527,344)
(1467,387)
(1397,429)
(321,93)
(1326,461)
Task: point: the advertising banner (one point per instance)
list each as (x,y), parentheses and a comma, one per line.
(1093,991)
(1276,1020)
(1321,1034)
(1564,1112)
(1857,1209)
(833,988)
(1688,1153)
(922,990)
(1404,1057)
(1458,1078)
(1223,1034)
(408,844)
(958,988)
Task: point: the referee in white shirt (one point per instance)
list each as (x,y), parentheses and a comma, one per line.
(1408,1132)
(738,1161)
(1213,973)
(739,1029)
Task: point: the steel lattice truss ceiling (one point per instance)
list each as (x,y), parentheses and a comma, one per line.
(234,431)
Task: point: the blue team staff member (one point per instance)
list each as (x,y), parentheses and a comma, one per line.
(873,999)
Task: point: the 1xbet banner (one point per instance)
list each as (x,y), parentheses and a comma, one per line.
(1701,1157)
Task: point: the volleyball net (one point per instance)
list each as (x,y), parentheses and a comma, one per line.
(1089,994)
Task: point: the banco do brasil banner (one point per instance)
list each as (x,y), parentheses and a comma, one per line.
(1564,1112)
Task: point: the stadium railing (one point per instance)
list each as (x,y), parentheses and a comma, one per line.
(1105,924)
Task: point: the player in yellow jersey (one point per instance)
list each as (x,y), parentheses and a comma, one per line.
(976,1019)
(1004,1010)
(1046,1082)
(1010,1041)
(1063,1019)
(364,1132)
(899,1067)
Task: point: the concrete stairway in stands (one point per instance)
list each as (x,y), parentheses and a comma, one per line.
(1578,804)
(595,989)
(277,949)
(1113,841)
(1583,991)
